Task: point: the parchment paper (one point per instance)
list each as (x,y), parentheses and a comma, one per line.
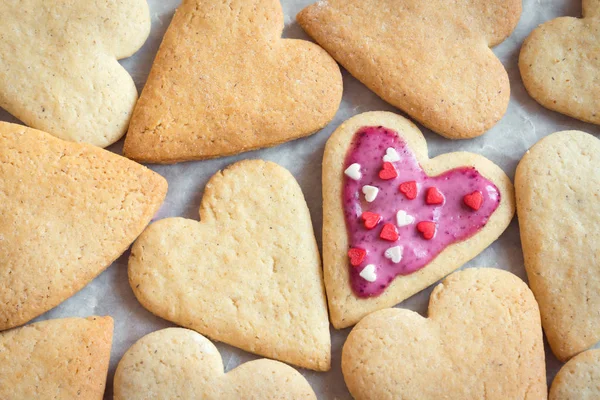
(524,124)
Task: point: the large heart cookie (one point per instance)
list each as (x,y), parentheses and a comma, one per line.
(578,379)
(560,64)
(558,187)
(58,65)
(67,211)
(224,82)
(248,274)
(56,359)
(482,340)
(431,59)
(189,366)
(395,221)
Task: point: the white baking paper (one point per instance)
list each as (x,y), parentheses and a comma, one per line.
(524,124)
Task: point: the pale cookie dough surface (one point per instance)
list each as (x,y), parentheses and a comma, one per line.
(58,65)
(59,359)
(345,307)
(558,187)
(248,274)
(560,64)
(579,379)
(445,77)
(223,82)
(178,363)
(482,340)
(67,211)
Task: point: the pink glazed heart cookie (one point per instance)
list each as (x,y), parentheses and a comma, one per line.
(394,220)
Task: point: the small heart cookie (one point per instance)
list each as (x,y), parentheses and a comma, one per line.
(422,210)
(248,274)
(224,82)
(432,59)
(67,211)
(558,186)
(190,367)
(482,340)
(58,65)
(56,359)
(560,64)
(578,379)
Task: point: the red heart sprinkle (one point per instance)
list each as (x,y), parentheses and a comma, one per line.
(474,200)
(434,196)
(389,232)
(409,189)
(388,171)
(356,256)
(371,219)
(427,229)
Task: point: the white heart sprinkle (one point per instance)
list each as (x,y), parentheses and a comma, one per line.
(403,219)
(353,172)
(370,192)
(368,273)
(391,155)
(394,254)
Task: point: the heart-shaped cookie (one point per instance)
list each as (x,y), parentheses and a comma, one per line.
(560,64)
(224,82)
(426,204)
(482,340)
(56,359)
(58,65)
(578,379)
(558,185)
(189,366)
(67,211)
(432,59)
(248,274)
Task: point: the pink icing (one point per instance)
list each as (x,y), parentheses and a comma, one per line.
(454,220)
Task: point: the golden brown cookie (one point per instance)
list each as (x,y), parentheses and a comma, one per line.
(67,211)
(482,340)
(578,379)
(558,186)
(560,64)
(58,65)
(190,367)
(395,268)
(60,359)
(248,274)
(224,82)
(431,59)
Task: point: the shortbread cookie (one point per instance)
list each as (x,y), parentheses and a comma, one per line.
(58,65)
(558,187)
(431,59)
(482,340)
(223,82)
(248,274)
(190,367)
(60,359)
(560,64)
(394,221)
(578,379)
(67,211)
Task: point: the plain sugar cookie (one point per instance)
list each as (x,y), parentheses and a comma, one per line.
(430,58)
(67,211)
(248,274)
(481,340)
(558,186)
(395,221)
(190,367)
(58,65)
(59,359)
(560,64)
(224,82)
(578,379)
